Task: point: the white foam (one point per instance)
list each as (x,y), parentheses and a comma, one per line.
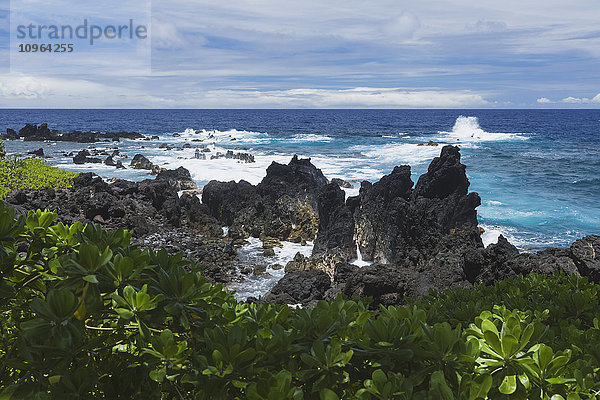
(398,153)
(467,129)
(490,235)
(230,135)
(352,192)
(358,261)
(310,137)
(252,254)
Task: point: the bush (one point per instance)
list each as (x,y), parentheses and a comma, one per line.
(31,173)
(85,315)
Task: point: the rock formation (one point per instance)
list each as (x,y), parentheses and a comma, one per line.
(282,206)
(40,133)
(419,238)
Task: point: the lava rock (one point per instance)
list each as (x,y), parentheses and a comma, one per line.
(301,287)
(179,178)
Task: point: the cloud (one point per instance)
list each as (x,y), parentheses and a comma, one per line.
(544,100)
(581,100)
(166,35)
(22,87)
(20,90)
(362,97)
(487,26)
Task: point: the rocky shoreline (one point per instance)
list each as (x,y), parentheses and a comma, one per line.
(416,237)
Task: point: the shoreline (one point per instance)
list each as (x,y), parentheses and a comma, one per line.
(304,202)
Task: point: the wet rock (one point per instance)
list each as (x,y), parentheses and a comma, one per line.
(84,157)
(429,143)
(110,162)
(39,152)
(259,270)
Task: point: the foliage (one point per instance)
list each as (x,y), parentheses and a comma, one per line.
(2,149)
(85,315)
(31,173)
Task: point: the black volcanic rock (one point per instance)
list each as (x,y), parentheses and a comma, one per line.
(336,226)
(283,205)
(298,178)
(586,254)
(421,239)
(179,178)
(151,208)
(300,287)
(31,132)
(10,135)
(141,162)
(39,152)
(84,157)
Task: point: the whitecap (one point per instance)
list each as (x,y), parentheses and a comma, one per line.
(310,137)
(467,129)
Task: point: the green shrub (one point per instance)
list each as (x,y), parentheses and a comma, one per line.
(31,173)
(85,315)
(2,149)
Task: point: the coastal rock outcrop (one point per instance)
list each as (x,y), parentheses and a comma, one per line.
(40,133)
(283,205)
(151,208)
(586,255)
(418,239)
(84,157)
(300,287)
(141,162)
(179,178)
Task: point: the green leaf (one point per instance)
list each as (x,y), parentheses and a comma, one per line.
(90,278)
(509,385)
(328,394)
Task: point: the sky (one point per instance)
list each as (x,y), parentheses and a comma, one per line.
(314,54)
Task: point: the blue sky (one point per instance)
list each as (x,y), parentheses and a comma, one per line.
(331,54)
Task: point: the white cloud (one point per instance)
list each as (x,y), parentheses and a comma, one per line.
(352,98)
(544,100)
(581,100)
(20,90)
(487,26)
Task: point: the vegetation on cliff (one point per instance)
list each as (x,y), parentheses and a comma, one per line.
(31,173)
(85,315)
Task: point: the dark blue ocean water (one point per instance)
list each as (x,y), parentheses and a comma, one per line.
(537,171)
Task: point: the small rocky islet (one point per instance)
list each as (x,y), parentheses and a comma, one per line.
(413,237)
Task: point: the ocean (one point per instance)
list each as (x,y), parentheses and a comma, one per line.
(537,171)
